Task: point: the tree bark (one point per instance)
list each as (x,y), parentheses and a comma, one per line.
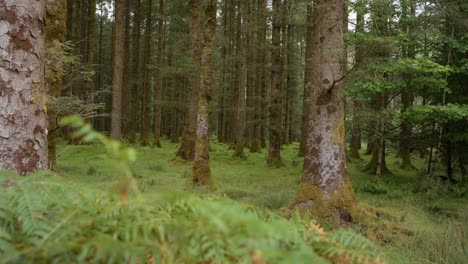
(274,150)
(146,106)
(187,148)
(159,83)
(242,83)
(135,90)
(407,94)
(201,172)
(118,69)
(359,57)
(256,145)
(325,188)
(91,25)
(23,132)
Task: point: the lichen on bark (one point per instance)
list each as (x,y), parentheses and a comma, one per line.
(325,188)
(201,172)
(23,132)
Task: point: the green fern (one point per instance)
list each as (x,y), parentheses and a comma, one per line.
(47,219)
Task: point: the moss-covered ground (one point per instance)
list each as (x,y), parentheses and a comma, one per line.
(435,213)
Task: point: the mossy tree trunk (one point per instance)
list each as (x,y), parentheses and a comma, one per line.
(118,69)
(55,37)
(23,126)
(187,148)
(159,83)
(325,188)
(146,102)
(274,149)
(135,90)
(201,172)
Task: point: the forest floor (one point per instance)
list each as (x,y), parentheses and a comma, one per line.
(435,212)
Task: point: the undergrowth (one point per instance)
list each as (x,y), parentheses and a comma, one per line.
(76,214)
(45,218)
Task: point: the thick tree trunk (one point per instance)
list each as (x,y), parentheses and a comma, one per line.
(159,83)
(325,188)
(135,90)
(187,148)
(23,132)
(146,106)
(274,150)
(118,69)
(55,37)
(201,172)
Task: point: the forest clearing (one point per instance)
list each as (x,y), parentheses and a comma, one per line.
(233,131)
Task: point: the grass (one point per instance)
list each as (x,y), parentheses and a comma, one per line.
(436,213)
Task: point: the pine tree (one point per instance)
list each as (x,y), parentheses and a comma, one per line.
(23,126)
(325,188)
(118,69)
(201,169)
(274,150)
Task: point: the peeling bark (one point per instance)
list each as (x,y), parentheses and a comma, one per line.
(325,188)
(23,132)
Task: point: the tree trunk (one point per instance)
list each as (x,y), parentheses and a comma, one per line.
(221,102)
(406,93)
(23,129)
(307,73)
(201,172)
(242,83)
(55,37)
(260,71)
(325,188)
(359,57)
(146,106)
(159,88)
(91,19)
(135,90)
(187,148)
(274,155)
(118,69)
(127,67)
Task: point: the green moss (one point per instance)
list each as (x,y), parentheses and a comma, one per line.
(335,208)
